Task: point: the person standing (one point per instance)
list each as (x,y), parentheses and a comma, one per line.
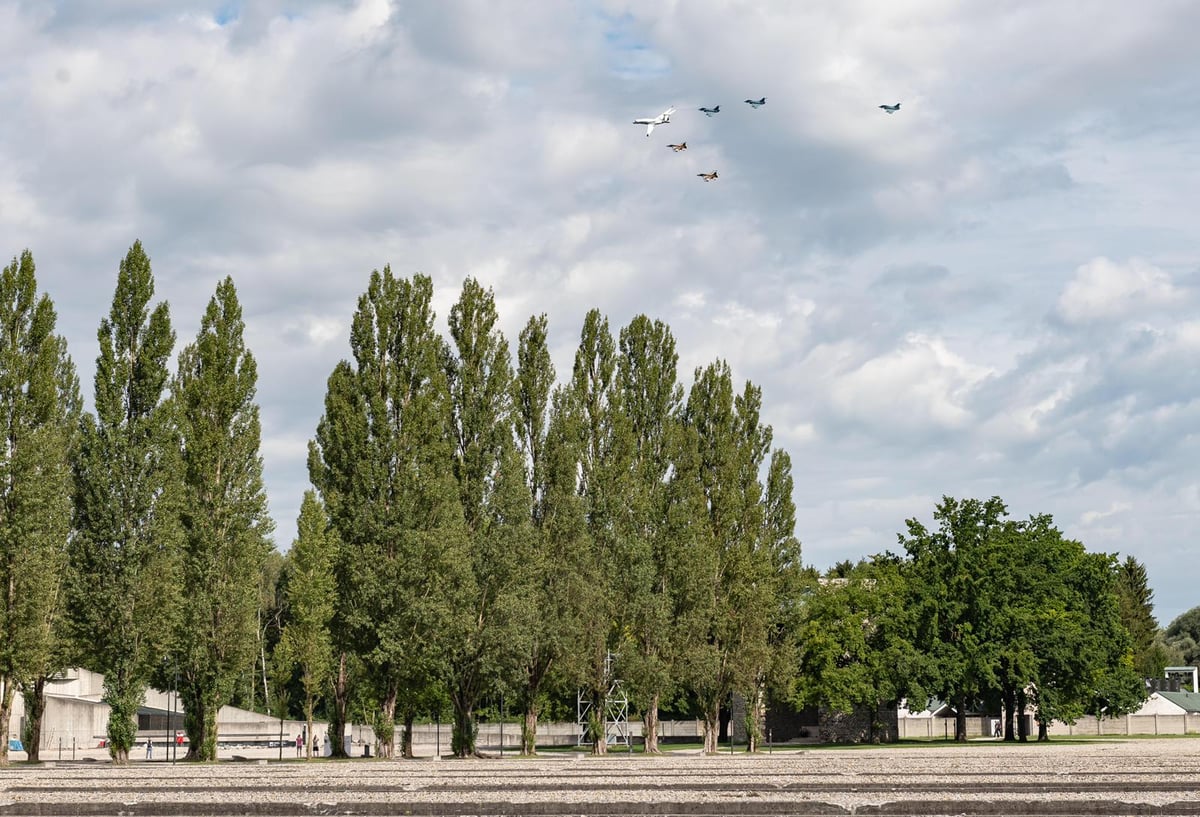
(149,749)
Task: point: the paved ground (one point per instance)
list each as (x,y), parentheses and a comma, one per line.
(1101,778)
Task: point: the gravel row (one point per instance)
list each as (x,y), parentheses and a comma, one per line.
(1128,776)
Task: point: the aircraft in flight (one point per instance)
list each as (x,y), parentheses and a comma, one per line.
(650,123)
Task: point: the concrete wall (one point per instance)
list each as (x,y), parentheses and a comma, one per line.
(1140,724)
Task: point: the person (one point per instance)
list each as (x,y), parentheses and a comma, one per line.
(149,750)
(299,744)
(327,746)
(316,744)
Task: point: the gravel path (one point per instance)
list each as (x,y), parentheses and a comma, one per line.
(1128,777)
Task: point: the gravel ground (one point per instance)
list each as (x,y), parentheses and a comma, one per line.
(1148,776)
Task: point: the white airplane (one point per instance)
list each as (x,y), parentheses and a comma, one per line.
(891,108)
(662,119)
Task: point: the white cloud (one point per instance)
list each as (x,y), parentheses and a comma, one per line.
(1103,289)
(894,283)
(920,385)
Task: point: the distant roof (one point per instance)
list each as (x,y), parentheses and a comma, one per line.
(1187,701)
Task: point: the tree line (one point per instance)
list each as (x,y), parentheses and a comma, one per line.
(477,527)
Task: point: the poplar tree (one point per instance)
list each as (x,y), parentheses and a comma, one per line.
(731,447)
(124,595)
(547,581)
(383,462)
(305,642)
(651,399)
(39,413)
(600,445)
(778,563)
(225,521)
(495,613)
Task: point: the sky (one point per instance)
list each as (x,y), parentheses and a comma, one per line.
(993,292)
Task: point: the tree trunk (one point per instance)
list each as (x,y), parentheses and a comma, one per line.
(756,715)
(960,720)
(387,720)
(200,723)
(1022,727)
(1010,706)
(463,733)
(341,697)
(598,725)
(35,710)
(712,727)
(650,726)
(406,735)
(529,730)
(6,699)
(1043,731)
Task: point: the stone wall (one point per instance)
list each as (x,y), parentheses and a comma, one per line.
(856,726)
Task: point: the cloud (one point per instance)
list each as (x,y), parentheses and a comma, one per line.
(1103,290)
(990,292)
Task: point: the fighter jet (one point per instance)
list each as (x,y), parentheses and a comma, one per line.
(679,147)
(708,177)
(711,111)
(756,103)
(662,119)
(891,108)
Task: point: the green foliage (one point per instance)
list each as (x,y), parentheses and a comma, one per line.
(225,521)
(383,461)
(854,649)
(1183,635)
(124,591)
(992,631)
(738,607)
(1136,601)
(305,642)
(486,651)
(651,399)
(549,603)
(39,410)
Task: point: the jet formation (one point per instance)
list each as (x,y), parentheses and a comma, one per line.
(664,118)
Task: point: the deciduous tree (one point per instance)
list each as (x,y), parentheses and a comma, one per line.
(39,414)
(225,520)
(305,643)
(124,595)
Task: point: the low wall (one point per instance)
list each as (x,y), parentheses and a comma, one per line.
(1130,725)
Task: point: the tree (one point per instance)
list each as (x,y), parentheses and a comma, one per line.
(651,400)
(494,611)
(547,575)
(225,520)
(854,651)
(39,411)
(124,593)
(1083,661)
(383,461)
(731,446)
(305,643)
(782,577)
(1136,601)
(591,413)
(953,600)
(1183,634)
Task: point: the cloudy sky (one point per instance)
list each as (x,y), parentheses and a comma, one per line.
(995,291)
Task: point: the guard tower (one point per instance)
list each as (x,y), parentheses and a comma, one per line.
(1185,675)
(616,710)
